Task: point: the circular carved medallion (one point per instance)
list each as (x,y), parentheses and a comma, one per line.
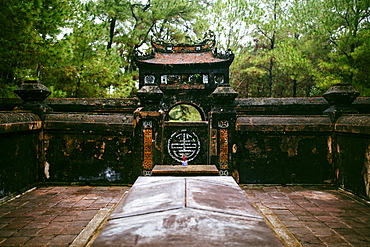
(183,143)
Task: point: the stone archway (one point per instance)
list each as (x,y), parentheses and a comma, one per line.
(185,133)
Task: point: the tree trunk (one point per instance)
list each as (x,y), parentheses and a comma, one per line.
(111,32)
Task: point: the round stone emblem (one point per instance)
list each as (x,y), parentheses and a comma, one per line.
(183,143)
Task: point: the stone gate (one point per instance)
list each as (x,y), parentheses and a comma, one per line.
(187,105)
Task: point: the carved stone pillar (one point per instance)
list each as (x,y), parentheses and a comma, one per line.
(149,119)
(222,127)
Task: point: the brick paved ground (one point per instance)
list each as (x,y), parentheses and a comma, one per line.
(53,216)
(316,216)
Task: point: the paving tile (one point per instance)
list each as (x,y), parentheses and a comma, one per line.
(44,218)
(308,239)
(306,218)
(72,230)
(62,240)
(27,232)
(7,233)
(16,225)
(334,239)
(64,218)
(299,230)
(294,223)
(364,232)
(320,232)
(336,225)
(39,240)
(338,245)
(49,231)
(357,240)
(77,223)
(15,241)
(36,225)
(295,206)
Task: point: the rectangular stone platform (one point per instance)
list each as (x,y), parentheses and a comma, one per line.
(190,170)
(186,211)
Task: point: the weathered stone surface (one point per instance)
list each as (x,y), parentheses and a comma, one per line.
(211,195)
(11,122)
(93,105)
(90,121)
(283,157)
(281,106)
(19,157)
(145,198)
(352,162)
(284,123)
(199,217)
(358,124)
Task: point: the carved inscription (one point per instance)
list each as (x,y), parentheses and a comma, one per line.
(224,148)
(183,143)
(147,163)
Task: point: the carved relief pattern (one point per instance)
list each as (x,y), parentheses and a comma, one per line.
(147,163)
(183,143)
(223,124)
(224,148)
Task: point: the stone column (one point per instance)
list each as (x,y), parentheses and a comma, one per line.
(148,119)
(33,94)
(222,128)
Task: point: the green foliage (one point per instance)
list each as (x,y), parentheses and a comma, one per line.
(301,48)
(27,31)
(184,112)
(86,48)
(283,48)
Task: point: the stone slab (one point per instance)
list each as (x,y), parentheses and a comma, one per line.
(211,196)
(186,211)
(186,227)
(150,195)
(176,170)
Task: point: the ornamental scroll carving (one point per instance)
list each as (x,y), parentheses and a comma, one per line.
(148,135)
(224,143)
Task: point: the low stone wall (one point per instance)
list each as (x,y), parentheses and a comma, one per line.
(283,149)
(351,150)
(89,147)
(96,140)
(277,145)
(20,147)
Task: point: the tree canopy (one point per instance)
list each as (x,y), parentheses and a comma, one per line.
(283,48)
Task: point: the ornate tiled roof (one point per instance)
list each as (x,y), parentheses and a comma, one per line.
(166,53)
(184,58)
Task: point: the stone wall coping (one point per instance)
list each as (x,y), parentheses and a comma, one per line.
(105,118)
(353,123)
(316,123)
(11,122)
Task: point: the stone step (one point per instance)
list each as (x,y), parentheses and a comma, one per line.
(189,170)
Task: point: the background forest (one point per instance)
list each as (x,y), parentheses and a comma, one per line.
(283,48)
